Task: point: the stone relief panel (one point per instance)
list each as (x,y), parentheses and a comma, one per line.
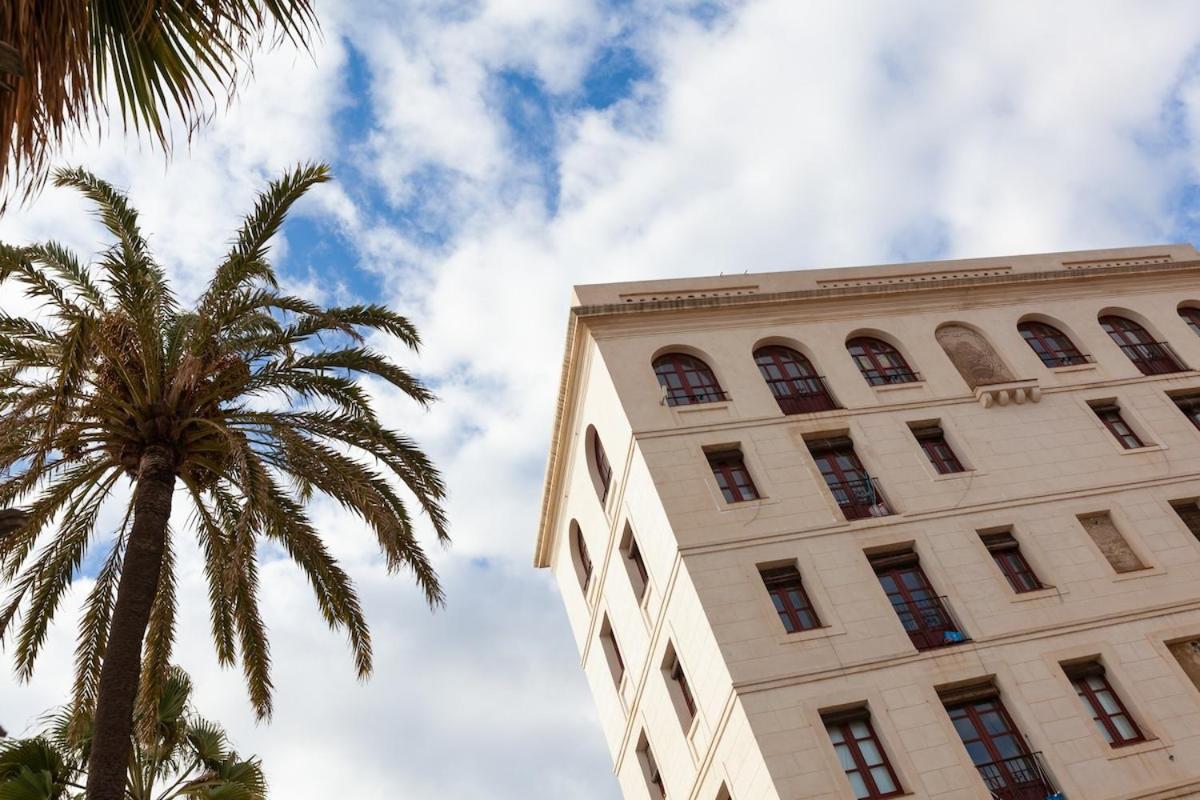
(973,356)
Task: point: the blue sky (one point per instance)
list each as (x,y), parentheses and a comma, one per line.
(491,153)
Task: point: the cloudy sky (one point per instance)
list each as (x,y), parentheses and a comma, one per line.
(490,154)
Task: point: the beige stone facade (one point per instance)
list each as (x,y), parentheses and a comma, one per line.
(1076,459)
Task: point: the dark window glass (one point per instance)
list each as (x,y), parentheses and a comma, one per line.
(938,450)
(603,469)
(879,362)
(687,380)
(794,383)
(998,750)
(855,491)
(1189,512)
(862,757)
(1052,346)
(789,598)
(1192,317)
(585,561)
(612,651)
(1111,417)
(1149,356)
(1190,406)
(1107,710)
(638,565)
(729,468)
(654,779)
(1007,553)
(923,614)
(685,690)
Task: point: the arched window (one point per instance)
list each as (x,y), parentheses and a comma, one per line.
(1052,346)
(600,468)
(1149,356)
(1191,315)
(579,555)
(796,386)
(687,380)
(879,362)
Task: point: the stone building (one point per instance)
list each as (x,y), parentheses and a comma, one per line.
(925,530)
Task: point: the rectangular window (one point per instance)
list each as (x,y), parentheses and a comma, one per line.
(924,615)
(1006,552)
(612,653)
(1112,544)
(1189,513)
(1100,699)
(1189,404)
(654,779)
(635,564)
(861,755)
(997,749)
(789,598)
(933,441)
(729,468)
(1110,415)
(680,689)
(856,492)
(1187,653)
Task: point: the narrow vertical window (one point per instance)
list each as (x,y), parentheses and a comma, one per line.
(1006,552)
(879,362)
(654,779)
(1191,315)
(861,755)
(789,598)
(602,467)
(1110,415)
(579,553)
(1189,404)
(1052,346)
(1112,544)
(1108,711)
(635,564)
(1187,653)
(856,492)
(729,469)
(939,452)
(686,380)
(1189,514)
(723,793)
(679,688)
(925,616)
(1149,356)
(612,653)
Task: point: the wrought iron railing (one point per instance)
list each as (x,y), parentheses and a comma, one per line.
(1021,777)
(801,395)
(1154,358)
(694,396)
(860,499)
(930,623)
(887,375)
(1067,361)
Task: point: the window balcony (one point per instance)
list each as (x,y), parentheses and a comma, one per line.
(859,499)
(929,622)
(1153,358)
(1022,777)
(802,395)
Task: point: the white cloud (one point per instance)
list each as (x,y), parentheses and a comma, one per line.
(782,135)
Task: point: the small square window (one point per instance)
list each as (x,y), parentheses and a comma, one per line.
(1108,711)
(1006,552)
(1189,404)
(1110,415)
(790,599)
(939,452)
(729,469)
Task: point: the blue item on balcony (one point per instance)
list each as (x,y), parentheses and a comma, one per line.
(954,637)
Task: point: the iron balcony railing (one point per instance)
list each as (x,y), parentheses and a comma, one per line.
(882,377)
(930,623)
(1154,358)
(1022,777)
(802,395)
(1067,361)
(694,396)
(860,499)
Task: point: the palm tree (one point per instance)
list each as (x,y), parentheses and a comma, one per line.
(63,61)
(177,754)
(244,406)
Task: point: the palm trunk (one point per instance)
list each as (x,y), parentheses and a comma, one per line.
(121,671)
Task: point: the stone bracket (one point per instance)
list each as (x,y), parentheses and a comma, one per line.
(1013,392)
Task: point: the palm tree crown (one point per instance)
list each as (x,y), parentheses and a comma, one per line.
(62,61)
(245,404)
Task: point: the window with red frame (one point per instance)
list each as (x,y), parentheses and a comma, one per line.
(1052,346)
(1006,552)
(1149,356)
(933,441)
(1105,705)
(603,469)
(791,602)
(682,687)
(793,381)
(583,560)
(729,468)
(686,380)
(1191,315)
(1110,415)
(1189,404)
(1189,514)
(861,755)
(654,779)
(879,362)
(636,565)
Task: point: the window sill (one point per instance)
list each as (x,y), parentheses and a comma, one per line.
(949,476)
(895,387)
(693,407)
(1149,448)
(1038,594)
(1139,573)
(1087,367)
(1140,748)
(803,637)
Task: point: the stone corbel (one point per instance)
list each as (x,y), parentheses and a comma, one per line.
(1011,393)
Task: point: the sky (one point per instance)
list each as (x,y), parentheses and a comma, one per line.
(488,155)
